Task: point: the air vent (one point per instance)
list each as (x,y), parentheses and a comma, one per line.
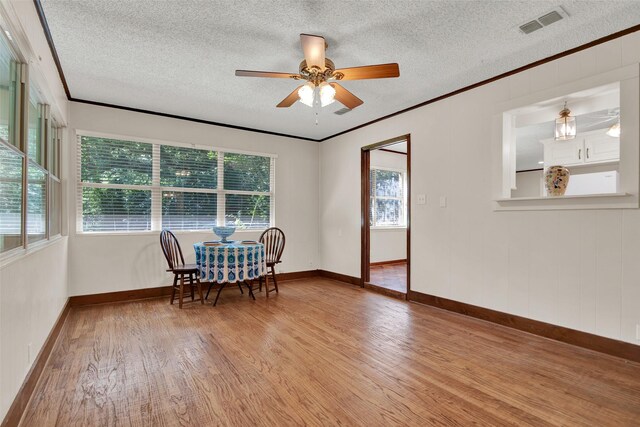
(548,18)
(342,111)
(530,27)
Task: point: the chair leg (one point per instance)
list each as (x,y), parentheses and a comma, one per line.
(191,284)
(181,290)
(199,286)
(266,285)
(275,282)
(240,287)
(260,283)
(209,290)
(173,288)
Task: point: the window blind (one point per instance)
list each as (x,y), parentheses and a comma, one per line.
(10,198)
(110,161)
(248,182)
(55,202)
(183,188)
(189,211)
(115,184)
(36,203)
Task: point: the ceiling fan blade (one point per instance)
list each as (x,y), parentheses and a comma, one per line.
(382,71)
(247,73)
(345,97)
(290,99)
(313,48)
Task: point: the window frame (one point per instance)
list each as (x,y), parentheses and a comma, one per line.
(373,198)
(157,189)
(25,91)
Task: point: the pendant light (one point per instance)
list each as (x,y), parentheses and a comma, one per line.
(614,130)
(565,125)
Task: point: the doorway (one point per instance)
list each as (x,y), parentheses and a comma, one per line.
(386,216)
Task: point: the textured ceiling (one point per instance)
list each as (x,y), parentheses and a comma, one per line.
(179,57)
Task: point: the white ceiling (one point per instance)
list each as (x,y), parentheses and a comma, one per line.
(179,57)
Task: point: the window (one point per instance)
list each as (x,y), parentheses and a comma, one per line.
(247,181)
(388,198)
(138,186)
(116,181)
(55,186)
(190,180)
(30,196)
(10,198)
(572,146)
(8,93)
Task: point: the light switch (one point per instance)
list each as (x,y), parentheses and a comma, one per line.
(422,199)
(443,202)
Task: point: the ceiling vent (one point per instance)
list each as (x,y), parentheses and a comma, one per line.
(530,27)
(548,18)
(342,111)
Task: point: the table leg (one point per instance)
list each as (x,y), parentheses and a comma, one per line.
(210,286)
(222,285)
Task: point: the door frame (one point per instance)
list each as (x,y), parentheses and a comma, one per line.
(365,228)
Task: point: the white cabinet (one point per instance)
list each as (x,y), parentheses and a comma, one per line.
(587,148)
(601,148)
(565,153)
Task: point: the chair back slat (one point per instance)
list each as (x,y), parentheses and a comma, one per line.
(273,239)
(171,249)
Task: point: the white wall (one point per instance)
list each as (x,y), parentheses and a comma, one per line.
(107,263)
(388,244)
(33,284)
(33,291)
(577,269)
(529,184)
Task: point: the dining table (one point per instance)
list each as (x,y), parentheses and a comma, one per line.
(223,263)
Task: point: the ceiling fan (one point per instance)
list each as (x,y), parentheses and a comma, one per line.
(321,75)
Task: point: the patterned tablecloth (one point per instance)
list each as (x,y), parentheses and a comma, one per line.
(230,262)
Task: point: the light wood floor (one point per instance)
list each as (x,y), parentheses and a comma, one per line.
(320,353)
(389,276)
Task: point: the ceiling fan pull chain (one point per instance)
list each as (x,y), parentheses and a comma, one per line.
(316,118)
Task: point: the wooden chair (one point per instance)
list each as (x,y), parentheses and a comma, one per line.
(173,254)
(273,240)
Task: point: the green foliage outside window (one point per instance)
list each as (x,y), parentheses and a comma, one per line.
(188,167)
(110,161)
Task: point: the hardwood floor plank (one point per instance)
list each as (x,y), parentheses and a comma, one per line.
(319,353)
(392,276)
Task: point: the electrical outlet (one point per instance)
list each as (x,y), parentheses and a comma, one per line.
(422,199)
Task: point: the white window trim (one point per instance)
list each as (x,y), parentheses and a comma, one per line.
(157,189)
(403,199)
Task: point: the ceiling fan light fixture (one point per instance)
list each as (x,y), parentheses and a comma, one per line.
(307,94)
(327,94)
(565,125)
